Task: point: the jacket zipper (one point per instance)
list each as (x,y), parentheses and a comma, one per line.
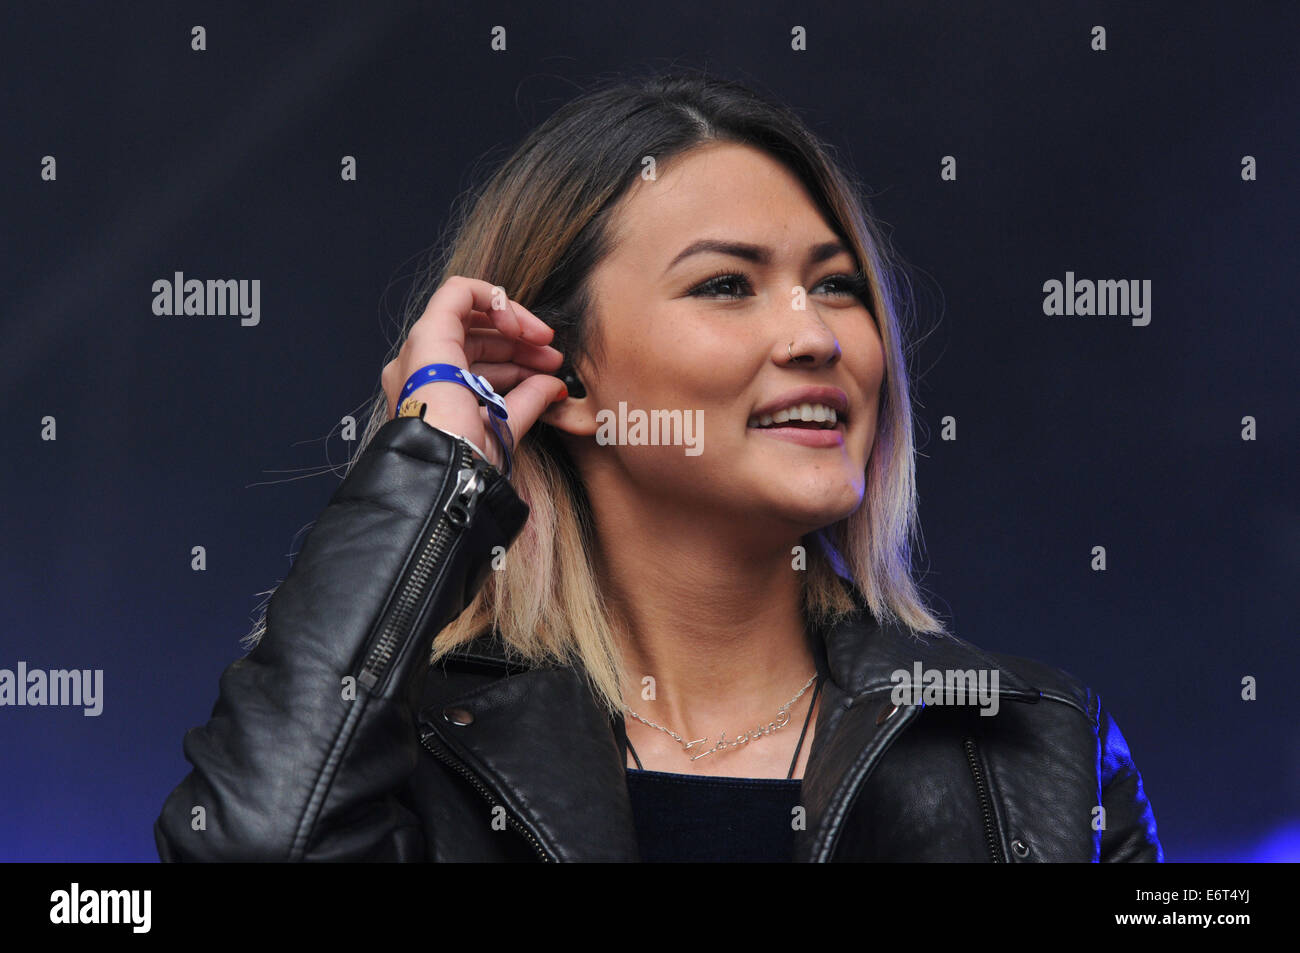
(447,759)
(423,570)
(986,803)
(456,515)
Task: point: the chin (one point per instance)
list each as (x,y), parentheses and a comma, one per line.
(814,512)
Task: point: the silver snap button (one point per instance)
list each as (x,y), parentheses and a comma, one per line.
(458,716)
(1020,848)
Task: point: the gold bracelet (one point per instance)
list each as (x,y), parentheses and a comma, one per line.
(412,408)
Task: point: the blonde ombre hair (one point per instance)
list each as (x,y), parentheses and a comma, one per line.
(538,228)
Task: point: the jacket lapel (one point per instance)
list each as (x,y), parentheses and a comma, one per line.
(858,720)
(550,756)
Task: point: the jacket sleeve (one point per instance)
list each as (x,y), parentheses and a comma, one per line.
(312,735)
(1130,831)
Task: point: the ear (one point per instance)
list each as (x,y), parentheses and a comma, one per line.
(573,415)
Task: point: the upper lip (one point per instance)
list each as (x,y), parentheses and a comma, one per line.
(830,396)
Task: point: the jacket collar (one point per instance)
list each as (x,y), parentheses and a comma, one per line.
(550,755)
(862,655)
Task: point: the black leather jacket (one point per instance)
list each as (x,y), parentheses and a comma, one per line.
(335,740)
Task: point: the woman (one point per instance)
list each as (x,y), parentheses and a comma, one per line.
(670,590)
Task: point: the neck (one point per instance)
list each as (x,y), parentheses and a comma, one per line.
(684,597)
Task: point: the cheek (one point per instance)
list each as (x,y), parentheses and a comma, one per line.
(678,374)
(866,361)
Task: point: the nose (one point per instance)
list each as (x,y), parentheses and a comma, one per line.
(811,344)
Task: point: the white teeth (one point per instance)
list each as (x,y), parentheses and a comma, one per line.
(814,413)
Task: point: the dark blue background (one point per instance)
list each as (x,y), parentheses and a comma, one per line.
(1073,432)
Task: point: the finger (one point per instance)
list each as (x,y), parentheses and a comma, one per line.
(503,377)
(477,320)
(530,327)
(492,347)
(450,311)
(529,399)
(534,328)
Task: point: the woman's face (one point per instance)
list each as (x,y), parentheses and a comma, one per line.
(720,350)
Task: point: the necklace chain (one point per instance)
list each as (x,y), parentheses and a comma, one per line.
(782,719)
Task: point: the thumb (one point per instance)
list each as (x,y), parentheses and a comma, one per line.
(528,400)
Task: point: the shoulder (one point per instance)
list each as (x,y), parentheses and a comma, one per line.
(1068,739)
(1063,692)
(1055,685)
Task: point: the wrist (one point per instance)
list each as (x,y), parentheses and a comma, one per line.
(412,407)
(473,446)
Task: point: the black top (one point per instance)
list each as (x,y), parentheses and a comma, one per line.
(690,818)
(697,818)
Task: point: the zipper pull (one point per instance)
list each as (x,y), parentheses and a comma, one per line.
(469,486)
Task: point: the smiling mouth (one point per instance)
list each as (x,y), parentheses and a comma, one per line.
(801,416)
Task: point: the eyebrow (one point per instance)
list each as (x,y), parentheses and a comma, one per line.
(758,254)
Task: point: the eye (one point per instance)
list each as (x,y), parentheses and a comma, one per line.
(715,286)
(855,285)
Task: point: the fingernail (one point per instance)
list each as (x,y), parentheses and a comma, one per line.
(564,392)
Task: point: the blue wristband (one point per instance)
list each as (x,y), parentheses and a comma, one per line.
(482,390)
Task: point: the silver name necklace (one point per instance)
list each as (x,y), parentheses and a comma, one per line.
(782,719)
